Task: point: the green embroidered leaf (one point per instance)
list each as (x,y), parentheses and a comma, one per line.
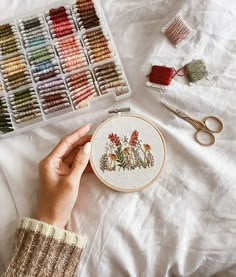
(120,158)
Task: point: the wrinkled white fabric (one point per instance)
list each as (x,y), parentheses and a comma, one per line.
(184,224)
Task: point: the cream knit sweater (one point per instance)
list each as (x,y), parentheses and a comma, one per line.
(44,250)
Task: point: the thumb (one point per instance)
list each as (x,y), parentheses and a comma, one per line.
(80,162)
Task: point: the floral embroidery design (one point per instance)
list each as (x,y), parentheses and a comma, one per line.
(126,153)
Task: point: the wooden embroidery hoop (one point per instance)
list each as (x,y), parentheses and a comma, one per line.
(163,161)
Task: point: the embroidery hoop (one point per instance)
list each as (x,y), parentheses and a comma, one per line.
(160,145)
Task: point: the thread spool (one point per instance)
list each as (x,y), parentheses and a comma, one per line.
(24,105)
(57,108)
(56,91)
(197,70)
(110,77)
(98,46)
(71,55)
(81,84)
(15,72)
(61,22)
(5,120)
(28,118)
(33,31)
(163,75)
(178,31)
(86,15)
(54,96)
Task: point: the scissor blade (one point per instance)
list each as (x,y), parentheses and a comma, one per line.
(175,110)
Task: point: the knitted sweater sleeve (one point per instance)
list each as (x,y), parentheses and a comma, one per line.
(44,250)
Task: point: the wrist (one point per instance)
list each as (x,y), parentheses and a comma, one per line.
(49,221)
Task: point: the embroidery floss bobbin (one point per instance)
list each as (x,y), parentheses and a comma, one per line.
(128,152)
(60,22)
(24,105)
(82,88)
(197,70)
(54,96)
(163,76)
(43,63)
(5,120)
(110,79)
(57,108)
(9,41)
(71,54)
(33,31)
(86,14)
(98,46)
(178,31)
(15,72)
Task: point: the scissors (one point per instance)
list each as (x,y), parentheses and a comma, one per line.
(202,126)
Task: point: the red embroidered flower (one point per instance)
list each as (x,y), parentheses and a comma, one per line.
(115,139)
(134,138)
(127,150)
(147,147)
(113,157)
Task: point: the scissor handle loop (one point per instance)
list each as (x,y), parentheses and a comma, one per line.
(199,141)
(220,124)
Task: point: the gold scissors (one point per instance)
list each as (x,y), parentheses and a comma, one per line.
(202,126)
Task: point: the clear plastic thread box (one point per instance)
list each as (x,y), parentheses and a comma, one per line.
(28,56)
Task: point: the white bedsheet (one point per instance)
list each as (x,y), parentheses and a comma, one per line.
(183,225)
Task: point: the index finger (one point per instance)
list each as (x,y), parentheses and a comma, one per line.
(65,146)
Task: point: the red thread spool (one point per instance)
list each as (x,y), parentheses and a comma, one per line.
(54,11)
(163,75)
(76,83)
(64,33)
(67,41)
(58,15)
(59,20)
(55,102)
(83,96)
(53,97)
(76,76)
(61,24)
(62,28)
(76,86)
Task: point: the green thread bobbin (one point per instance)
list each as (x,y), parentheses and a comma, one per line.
(43,59)
(197,70)
(26,97)
(39,53)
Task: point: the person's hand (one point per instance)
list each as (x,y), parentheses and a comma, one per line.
(59,178)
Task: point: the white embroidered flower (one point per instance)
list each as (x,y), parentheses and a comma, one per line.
(125,139)
(139,142)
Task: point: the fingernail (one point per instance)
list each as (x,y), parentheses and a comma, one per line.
(87,148)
